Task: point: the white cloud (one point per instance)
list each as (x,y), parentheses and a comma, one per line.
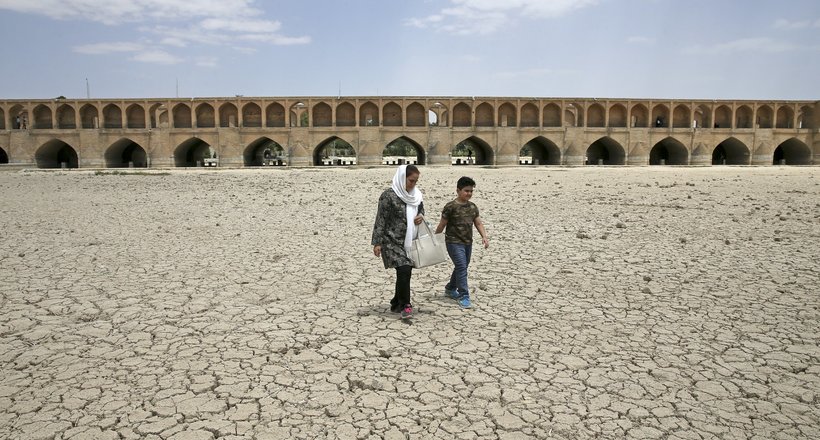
(207,61)
(466,17)
(105,48)
(637,39)
(761,44)
(115,12)
(783,23)
(174,23)
(156,57)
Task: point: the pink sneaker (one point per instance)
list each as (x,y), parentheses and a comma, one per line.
(407,312)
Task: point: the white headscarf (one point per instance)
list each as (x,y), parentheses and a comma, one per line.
(413,199)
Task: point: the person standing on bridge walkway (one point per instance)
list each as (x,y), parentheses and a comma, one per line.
(400,209)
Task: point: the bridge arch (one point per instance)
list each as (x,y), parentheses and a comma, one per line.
(17,114)
(205,116)
(228,115)
(299,115)
(368,115)
(723,117)
(345,115)
(191,152)
(605,151)
(805,117)
(56,154)
(669,151)
(264,151)
(542,151)
(125,152)
(462,115)
(660,116)
(731,152)
(135,116)
(792,152)
(765,117)
(275,115)
(415,115)
(484,115)
(473,148)
(617,116)
(334,151)
(66,117)
(391,115)
(4,157)
(785,117)
(507,115)
(552,115)
(181,114)
(639,116)
(529,115)
(2,119)
(681,117)
(42,117)
(744,117)
(595,116)
(322,115)
(112,116)
(703,117)
(403,150)
(251,115)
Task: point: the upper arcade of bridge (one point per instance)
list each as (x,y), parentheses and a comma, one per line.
(408,112)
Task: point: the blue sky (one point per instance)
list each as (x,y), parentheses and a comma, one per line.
(698,49)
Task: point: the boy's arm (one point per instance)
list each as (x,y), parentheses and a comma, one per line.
(441,225)
(480,226)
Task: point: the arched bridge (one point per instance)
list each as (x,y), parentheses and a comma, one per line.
(304,131)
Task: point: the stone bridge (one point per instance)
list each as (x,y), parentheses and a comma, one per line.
(299,131)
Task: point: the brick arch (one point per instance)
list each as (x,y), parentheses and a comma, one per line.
(205,115)
(56,152)
(617,116)
(743,117)
(606,151)
(785,117)
(723,117)
(484,115)
(669,151)
(338,143)
(66,117)
(462,115)
(264,151)
(275,115)
(88,114)
(181,114)
(765,117)
(228,115)
(125,153)
(416,115)
(681,117)
(792,152)
(483,153)
(391,115)
(191,151)
(660,116)
(543,151)
(322,115)
(731,152)
(345,115)
(529,115)
(368,115)
(421,155)
(552,115)
(507,115)
(112,116)
(41,117)
(135,116)
(595,115)
(251,115)
(639,116)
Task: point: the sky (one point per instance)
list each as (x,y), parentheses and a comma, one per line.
(696,49)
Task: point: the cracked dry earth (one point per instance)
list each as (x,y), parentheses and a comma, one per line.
(641,303)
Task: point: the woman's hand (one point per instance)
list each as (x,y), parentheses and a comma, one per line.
(377,251)
(418,219)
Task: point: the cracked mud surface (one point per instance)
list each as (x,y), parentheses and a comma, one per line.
(672,303)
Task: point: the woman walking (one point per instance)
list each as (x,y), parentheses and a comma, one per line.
(400,210)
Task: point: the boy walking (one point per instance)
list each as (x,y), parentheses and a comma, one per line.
(458,217)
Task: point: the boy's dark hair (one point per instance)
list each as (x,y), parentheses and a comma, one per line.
(411,169)
(465,181)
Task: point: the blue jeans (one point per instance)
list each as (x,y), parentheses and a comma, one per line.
(460,254)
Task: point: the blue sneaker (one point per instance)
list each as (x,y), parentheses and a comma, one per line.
(464,302)
(452,294)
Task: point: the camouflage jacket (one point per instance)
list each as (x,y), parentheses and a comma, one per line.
(390,228)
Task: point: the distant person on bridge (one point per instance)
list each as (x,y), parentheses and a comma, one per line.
(400,209)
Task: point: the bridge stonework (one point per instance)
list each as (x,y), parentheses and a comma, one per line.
(558,131)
